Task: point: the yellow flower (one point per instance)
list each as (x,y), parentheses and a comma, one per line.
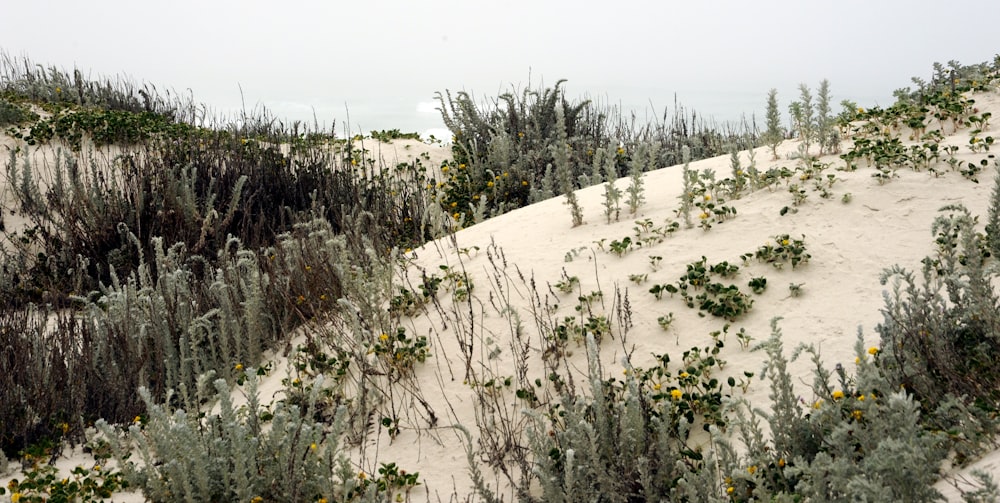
(657,386)
(729,490)
(444,169)
(861,110)
(58,89)
(683,375)
(781,462)
(354,162)
(621,151)
(454,204)
(362,475)
(857,415)
(861,398)
(313,447)
(676,394)
(752,469)
(138,419)
(520,134)
(14,498)
(784,242)
(837,395)
(489,184)
(703,216)
(321,500)
(506,174)
(461,166)
(97,468)
(873,350)
(238,367)
(296,381)
(257,499)
(384,337)
(524,183)
(708,197)
(857,360)
(818,404)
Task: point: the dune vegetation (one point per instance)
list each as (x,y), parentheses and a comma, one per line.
(249,310)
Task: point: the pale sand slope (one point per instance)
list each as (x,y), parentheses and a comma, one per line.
(850,245)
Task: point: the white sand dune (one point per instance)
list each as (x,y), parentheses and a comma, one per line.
(850,244)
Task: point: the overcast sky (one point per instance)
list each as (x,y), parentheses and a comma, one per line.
(383,60)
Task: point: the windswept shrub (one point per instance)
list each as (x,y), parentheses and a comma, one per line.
(248,453)
(941,332)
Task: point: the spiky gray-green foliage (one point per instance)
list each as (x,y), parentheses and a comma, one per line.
(687,193)
(564,169)
(852,443)
(646,158)
(804,118)
(240,453)
(612,194)
(774,134)
(940,336)
(993,215)
(516,133)
(613,445)
(827,135)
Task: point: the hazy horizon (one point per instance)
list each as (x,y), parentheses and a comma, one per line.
(380,63)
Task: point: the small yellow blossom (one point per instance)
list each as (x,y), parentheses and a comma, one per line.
(238,367)
(444,169)
(784,242)
(97,468)
(489,184)
(384,337)
(524,183)
(14,498)
(321,500)
(781,462)
(354,162)
(683,375)
(313,447)
(676,394)
(520,134)
(58,89)
(657,386)
(362,475)
(729,490)
(708,197)
(296,381)
(257,499)
(857,360)
(818,404)
(703,216)
(857,415)
(621,151)
(454,204)
(837,395)
(873,350)
(861,110)
(861,398)
(461,166)
(752,469)
(137,420)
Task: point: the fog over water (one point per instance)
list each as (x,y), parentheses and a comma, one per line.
(380,62)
